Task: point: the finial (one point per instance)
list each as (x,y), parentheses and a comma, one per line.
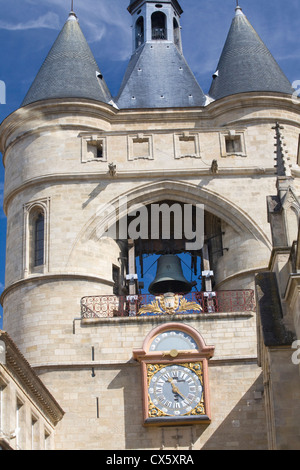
(72,15)
(238,10)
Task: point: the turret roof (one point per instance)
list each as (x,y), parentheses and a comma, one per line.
(158,76)
(70,69)
(246,64)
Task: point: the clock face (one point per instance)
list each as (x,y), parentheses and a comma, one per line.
(173,339)
(175,390)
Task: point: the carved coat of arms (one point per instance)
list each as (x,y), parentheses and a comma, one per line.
(169,304)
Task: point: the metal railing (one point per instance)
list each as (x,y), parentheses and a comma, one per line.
(109,306)
(159,33)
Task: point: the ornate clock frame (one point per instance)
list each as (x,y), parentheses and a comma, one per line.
(194,360)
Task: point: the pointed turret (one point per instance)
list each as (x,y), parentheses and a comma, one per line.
(158,75)
(246,64)
(70,69)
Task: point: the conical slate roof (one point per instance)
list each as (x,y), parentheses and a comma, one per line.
(246,64)
(158,76)
(70,70)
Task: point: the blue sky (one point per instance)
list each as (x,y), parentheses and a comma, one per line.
(28,28)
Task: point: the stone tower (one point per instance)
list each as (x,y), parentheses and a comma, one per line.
(81,164)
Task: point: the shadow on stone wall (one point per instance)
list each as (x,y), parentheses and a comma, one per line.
(243,428)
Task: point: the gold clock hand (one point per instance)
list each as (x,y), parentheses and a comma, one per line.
(175,389)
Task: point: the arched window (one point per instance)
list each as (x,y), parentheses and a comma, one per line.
(39,239)
(176,33)
(36,226)
(139,32)
(36,237)
(159,28)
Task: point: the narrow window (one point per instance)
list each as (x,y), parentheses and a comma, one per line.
(95,150)
(19,424)
(139,32)
(233,144)
(176,34)
(34,433)
(100,150)
(1,407)
(47,440)
(39,237)
(159,29)
(36,228)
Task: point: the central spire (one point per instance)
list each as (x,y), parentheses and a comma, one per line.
(155,21)
(158,75)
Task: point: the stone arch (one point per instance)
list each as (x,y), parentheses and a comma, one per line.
(250,246)
(179,191)
(139,32)
(36,212)
(159,26)
(176,33)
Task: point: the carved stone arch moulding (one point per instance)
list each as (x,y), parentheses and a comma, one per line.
(175,383)
(177,191)
(43,206)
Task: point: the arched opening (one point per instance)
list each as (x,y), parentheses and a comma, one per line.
(168,228)
(159,26)
(37,237)
(227,231)
(176,31)
(139,32)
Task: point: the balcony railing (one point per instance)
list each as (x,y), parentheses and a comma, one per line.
(110,306)
(159,33)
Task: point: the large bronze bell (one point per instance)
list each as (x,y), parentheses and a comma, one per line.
(169,277)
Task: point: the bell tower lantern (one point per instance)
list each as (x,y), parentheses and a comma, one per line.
(158,75)
(155,21)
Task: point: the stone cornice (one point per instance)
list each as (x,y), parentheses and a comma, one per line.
(84,365)
(28,379)
(44,278)
(135,174)
(204,116)
(45,110)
